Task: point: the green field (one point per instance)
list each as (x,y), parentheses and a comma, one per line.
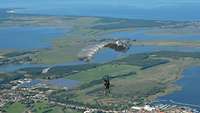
(44,107)
(38,107)
(16,107)
(101,71)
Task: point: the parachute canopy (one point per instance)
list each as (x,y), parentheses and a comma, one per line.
(118,45)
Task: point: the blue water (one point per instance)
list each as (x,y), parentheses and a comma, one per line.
(190,93)
(64,83)
(30,84)
(61,83)
(1,80)
(142,9)
(141,35)
(14,67)
(106,55)
(28,37)
(147,49)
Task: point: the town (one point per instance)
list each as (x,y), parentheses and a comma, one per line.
(33,93)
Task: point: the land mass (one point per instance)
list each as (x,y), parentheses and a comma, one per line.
(136,79)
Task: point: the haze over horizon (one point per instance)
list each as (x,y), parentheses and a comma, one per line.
(139,9)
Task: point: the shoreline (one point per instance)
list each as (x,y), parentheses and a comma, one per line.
(175,87)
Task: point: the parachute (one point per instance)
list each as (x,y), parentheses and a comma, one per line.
(118,45)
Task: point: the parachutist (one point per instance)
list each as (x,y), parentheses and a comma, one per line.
(106,85)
